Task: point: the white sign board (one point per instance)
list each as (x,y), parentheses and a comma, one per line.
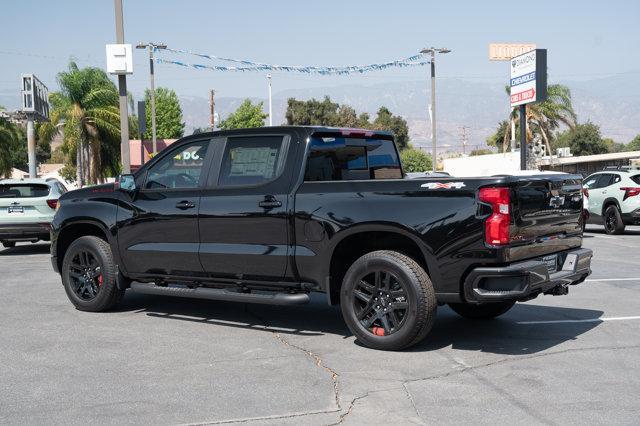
(506,51)
(119,59)
(528,77)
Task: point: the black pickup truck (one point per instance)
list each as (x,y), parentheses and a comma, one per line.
(270,215)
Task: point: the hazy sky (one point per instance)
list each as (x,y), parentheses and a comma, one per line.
(585,39)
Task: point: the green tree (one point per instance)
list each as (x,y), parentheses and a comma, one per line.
(86,111)
(613,146)
(246,116)
(414,160)
(545,118)
(169,123)
(9,140)
(634,145)
(502,137)
(385,120)
(313,112)
(585,139)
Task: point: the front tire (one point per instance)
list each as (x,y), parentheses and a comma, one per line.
(613,223)
(89,275)
(388,301)
(484,311)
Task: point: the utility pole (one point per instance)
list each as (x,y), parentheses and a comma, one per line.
(31,146)
(212,112)
(270,103)
(122,92)
(432,51)
(151,47)
(523,137)
(464,139)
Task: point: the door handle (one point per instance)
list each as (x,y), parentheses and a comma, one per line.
(183,205)
(270,202)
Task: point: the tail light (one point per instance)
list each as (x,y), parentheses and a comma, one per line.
(585,192)
(496,226)
(630,192)
(52,203)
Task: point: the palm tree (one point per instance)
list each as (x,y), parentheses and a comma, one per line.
(86,111)
(546,117)
(9,138)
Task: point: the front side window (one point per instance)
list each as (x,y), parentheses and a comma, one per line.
(590,182)
(181,169)
(333,158)
(251,160)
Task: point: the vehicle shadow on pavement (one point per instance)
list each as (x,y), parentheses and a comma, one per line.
(505,335)
(501,336)
(26,250)
(314,319)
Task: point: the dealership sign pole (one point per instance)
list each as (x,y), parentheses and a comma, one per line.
(528,85)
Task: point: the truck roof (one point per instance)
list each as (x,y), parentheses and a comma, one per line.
(346,131)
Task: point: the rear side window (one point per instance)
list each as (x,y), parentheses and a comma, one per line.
(636,179)
(252,160)
(604,181)
(23,190)
(342,158)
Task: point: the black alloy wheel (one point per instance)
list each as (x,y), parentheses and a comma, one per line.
(85,274)
(387,300)
(90,275)
(613,221)
(380,302)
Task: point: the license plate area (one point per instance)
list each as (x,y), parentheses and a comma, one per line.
(552,262)
(15,210)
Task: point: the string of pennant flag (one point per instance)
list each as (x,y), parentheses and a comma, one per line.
(252,66)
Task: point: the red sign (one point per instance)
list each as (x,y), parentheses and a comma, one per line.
(523,96)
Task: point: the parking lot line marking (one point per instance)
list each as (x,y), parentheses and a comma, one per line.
(613,279)
(579,320)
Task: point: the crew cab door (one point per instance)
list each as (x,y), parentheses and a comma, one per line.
(158,225)
(244,210)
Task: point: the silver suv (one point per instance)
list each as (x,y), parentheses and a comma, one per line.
(27,207)
(614,199)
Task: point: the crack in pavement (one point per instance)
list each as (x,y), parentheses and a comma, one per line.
(522,358)
(317,359)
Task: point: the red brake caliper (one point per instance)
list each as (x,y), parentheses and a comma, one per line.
(378,331)
(100,280)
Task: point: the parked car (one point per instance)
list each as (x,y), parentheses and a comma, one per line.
(614,198)
(269,215)
(27,207)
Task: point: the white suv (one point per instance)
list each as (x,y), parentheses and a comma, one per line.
(614,199)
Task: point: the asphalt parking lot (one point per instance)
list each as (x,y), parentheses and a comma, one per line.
(559,360)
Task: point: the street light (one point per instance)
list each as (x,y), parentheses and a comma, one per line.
(432,51)
(151,47)
(270,104)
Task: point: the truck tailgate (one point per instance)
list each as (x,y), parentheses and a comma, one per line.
(546,213)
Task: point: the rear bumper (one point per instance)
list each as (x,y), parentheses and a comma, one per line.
(25,231)
(526,280)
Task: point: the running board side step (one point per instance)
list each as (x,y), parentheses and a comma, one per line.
(222,294)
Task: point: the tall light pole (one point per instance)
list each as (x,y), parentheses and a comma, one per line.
(432,51)
(122,92)
(151,47)
(270,104)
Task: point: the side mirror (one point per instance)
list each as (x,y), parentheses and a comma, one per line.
(126,183)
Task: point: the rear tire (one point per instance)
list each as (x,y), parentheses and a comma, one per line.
(388,301)
(9,244)
(484,311)
(89,275)
(613,223)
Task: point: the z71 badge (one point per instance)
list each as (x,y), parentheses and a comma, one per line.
(439,185)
